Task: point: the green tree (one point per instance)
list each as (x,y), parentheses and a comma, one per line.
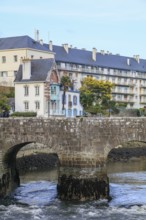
(94,93)
(65,84)
(4,106)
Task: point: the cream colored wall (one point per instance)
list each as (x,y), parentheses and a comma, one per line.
(10,66)
(20,98)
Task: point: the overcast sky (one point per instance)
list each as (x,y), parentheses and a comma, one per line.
(118,26)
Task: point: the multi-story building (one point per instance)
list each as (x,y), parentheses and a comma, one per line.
(127,73)
(13,50)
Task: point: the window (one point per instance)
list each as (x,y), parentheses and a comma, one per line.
(62,65)
(69,98)
(53,90)
(15,58)
(70,74)
(3,59)
(37,105)
(37,90)
(15,73)
(26,91)
(75,100)
(26,105)
(4,74)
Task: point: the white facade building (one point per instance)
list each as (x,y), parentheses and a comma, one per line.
(37,89)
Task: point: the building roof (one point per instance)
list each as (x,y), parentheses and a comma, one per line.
(39,70)
(84,57)
(21,42)
(76,56)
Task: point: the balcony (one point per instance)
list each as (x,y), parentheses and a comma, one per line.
(143,93)
(119,91)
(143,85)
(101,72)
(122,99)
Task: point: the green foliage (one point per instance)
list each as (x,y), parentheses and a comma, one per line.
(65,84)
(142,112)
(4,103)
(95,95)
(24,114)
(5,94)
(7,91)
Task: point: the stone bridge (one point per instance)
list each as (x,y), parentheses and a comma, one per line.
(79,142)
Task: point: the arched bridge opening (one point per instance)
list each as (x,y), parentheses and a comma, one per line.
(128,156)
(30,158)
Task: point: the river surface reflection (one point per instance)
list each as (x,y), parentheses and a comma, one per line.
(36,198)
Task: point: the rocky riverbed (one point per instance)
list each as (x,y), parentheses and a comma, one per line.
(128,151)
(40,161)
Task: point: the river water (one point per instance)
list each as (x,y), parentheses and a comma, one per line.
(36,198)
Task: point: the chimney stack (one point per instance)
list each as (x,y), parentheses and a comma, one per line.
(137,58)
(65,46)
(94,50)
(37,35)
(128,61)
(26,68)
(50,45)
(41,41)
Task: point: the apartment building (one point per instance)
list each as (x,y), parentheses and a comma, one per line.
(127,73)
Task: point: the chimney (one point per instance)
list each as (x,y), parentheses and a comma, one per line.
(26,68)
(50,45)
(136,57)
(41,41)
(37,35)
(128,61)
(65,46)
(94,54)
(102,52)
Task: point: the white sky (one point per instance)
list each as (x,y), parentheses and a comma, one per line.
(118,26)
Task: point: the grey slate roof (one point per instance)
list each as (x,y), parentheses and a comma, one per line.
(20,42)
(39,70)
(76,56)
(84,57)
